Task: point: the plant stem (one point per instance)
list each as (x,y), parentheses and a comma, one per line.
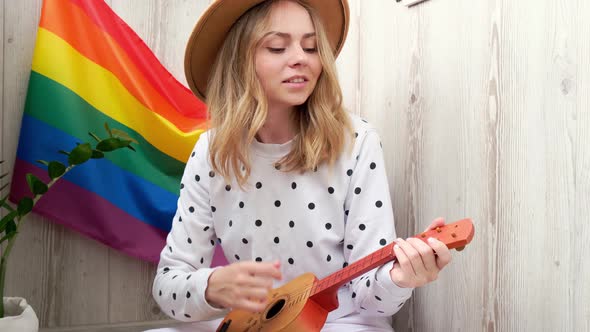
(8,248)
(3,265)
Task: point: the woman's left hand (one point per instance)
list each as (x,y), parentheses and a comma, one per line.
(416,263)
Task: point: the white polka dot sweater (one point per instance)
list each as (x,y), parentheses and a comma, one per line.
(317,222)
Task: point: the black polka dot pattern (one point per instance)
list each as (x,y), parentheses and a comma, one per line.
(277,202)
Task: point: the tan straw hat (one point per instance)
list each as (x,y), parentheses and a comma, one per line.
(213,26)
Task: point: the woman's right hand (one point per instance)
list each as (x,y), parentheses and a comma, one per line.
(243,285)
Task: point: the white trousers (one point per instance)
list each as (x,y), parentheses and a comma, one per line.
(350,323)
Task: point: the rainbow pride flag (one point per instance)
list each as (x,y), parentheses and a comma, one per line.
(89,67)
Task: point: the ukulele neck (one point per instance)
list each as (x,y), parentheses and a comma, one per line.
(339,278)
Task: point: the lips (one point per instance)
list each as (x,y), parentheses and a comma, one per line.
(296,79)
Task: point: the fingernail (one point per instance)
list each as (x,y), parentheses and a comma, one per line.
(396,246)
(431,240)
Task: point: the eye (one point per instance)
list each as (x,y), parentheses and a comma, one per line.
(275,50)
(310,50)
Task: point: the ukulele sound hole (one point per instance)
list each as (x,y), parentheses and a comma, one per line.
(275,309)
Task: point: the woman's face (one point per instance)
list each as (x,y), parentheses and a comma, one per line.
(287,60)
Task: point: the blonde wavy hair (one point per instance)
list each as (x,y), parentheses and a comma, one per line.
(238,107)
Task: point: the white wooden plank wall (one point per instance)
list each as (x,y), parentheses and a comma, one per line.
(484,112)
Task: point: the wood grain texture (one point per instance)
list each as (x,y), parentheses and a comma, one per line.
(484,112)
(347,62)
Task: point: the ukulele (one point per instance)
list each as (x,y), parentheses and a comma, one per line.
(303,303)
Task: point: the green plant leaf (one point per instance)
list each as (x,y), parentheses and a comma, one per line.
(5,205)
(80,154)
(10,229)
(3,200)
(6,220)
(111,144)
(56,169)
(97,154)
(94,136)
(4,238)
(24,206)
(36,186)
(106,126)
(124,135)
(43,162)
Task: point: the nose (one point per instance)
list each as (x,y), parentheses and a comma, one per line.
(298,57)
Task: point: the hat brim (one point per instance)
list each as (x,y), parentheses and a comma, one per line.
(210,31)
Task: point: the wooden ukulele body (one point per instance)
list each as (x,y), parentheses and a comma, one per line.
(289,309)
(303,303)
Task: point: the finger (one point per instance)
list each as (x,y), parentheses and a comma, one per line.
(414,257)
(258,282)
(402,260)
(270,270)
(426,253)
(249,305)
(442,251)
(259,294)
(437,222)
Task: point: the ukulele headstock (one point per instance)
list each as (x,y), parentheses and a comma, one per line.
(455,235)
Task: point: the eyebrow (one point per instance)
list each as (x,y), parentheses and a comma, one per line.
(287,35)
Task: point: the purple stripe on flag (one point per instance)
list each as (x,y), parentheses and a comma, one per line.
(95,217)
(72,206)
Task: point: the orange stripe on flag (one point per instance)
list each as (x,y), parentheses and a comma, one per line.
(71,23)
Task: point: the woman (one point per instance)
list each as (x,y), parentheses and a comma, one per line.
(285,180)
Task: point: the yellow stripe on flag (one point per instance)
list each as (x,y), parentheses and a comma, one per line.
(57,60)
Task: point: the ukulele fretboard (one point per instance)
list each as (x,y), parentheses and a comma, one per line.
(355,269)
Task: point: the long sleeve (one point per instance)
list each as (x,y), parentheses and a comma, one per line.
(184,267)
(370,226)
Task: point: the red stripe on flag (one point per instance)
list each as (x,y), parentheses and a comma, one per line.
(177,94)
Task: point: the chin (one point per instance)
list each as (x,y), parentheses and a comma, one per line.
(296,101)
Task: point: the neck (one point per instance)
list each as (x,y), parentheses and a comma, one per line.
(278,127)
